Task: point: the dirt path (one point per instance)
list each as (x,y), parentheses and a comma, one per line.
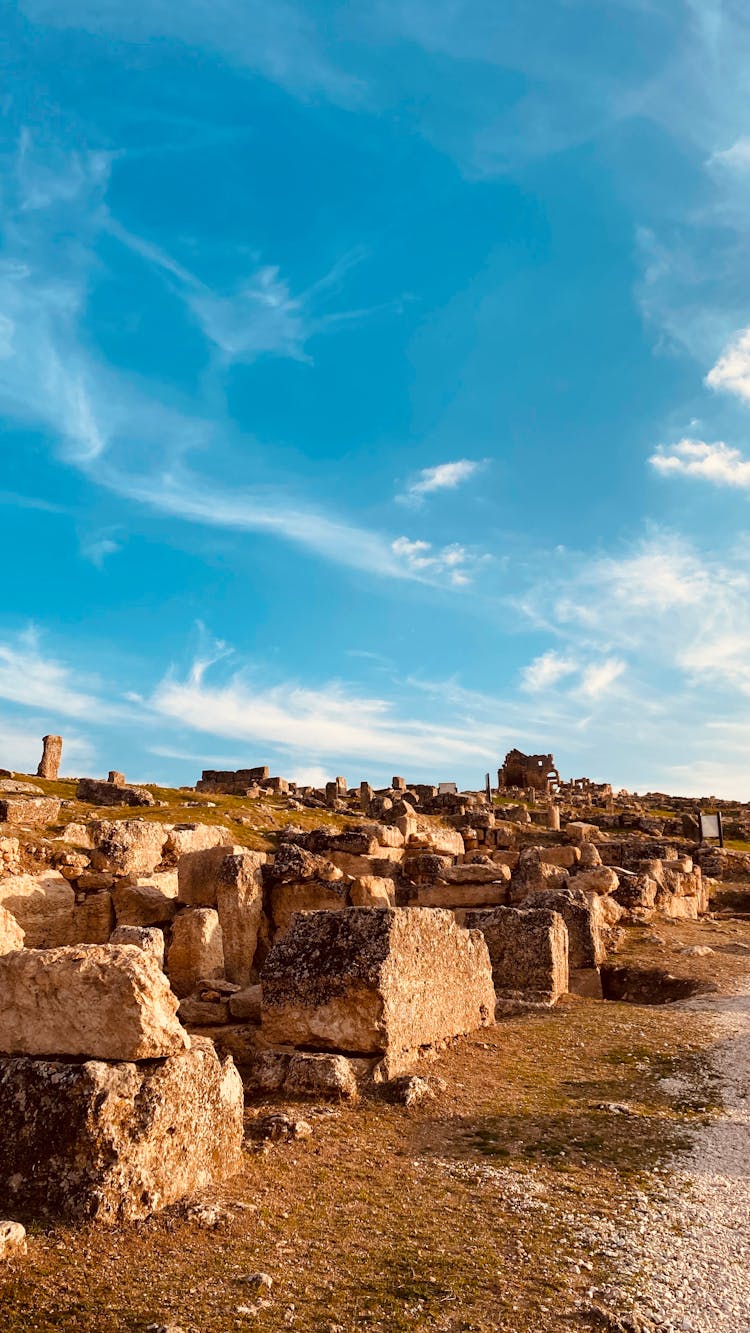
(693,1239)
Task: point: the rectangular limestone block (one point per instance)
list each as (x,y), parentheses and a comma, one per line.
(309,895)
(489,893)
(528,951)
(373,981)
(105,1002)
(43,906)
(29,809)
(239,903)
(116,1142)
(197,874)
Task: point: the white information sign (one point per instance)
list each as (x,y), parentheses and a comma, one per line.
(447,789)
(710,826)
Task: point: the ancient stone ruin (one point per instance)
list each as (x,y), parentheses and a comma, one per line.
(49,764)
(156,975)
(536,772)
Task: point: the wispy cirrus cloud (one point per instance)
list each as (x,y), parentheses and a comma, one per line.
(112,426)
(277,38)
(441,477)
(717,462)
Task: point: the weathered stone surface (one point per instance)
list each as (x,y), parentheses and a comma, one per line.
(196,949)
(197,874)
(197,1013)
(293,863)
(128,846)
(313,1074)
(148,938)
(239,903)
(301,1074)
(373,891)
(116,1142)
(311,895)
(12,1240)
(11,934)
(434,837)
(143,905)
(586,948)
(599,879)
(184,838)
(49,764)
(107,1002)
(29,810)
(372,981)
(560,856)
(245,1004)
(528,951)
(42,905)
(112,793)
(487,892)
(93,919)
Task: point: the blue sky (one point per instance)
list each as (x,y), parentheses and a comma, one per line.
(375,387)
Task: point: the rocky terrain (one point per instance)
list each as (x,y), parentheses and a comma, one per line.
(342,1058)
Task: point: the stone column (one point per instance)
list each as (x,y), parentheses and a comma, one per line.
(49,764)
(553,816)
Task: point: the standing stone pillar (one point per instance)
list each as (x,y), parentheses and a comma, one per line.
(553,816)
(49,764)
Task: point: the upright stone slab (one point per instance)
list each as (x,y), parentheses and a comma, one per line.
(116,1142)
(196,950)
(105,1002)
(528,951)
(372,981)
(49,764)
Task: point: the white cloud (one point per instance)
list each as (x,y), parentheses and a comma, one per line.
(112,427)
(32,680)
(732,370)
(716,462)
(736,157)
(332,720)
(420,560)
(442,477)
(545,671)
(598,679)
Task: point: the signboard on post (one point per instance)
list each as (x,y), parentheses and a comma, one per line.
(710,826)
(447,789)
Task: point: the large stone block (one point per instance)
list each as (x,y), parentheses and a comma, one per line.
(311,895)
(528,951)
(116,1142)
(93,919)
(43,906)
(29,810)
(586,946)
(112,793)
(11,934)
(107,1002)
(196,949)
(376,981)
(128,846)
(239,903)
(197,874)
(143,905)
(184,838)
(230,880)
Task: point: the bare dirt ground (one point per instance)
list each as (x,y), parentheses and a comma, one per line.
(542,1187)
